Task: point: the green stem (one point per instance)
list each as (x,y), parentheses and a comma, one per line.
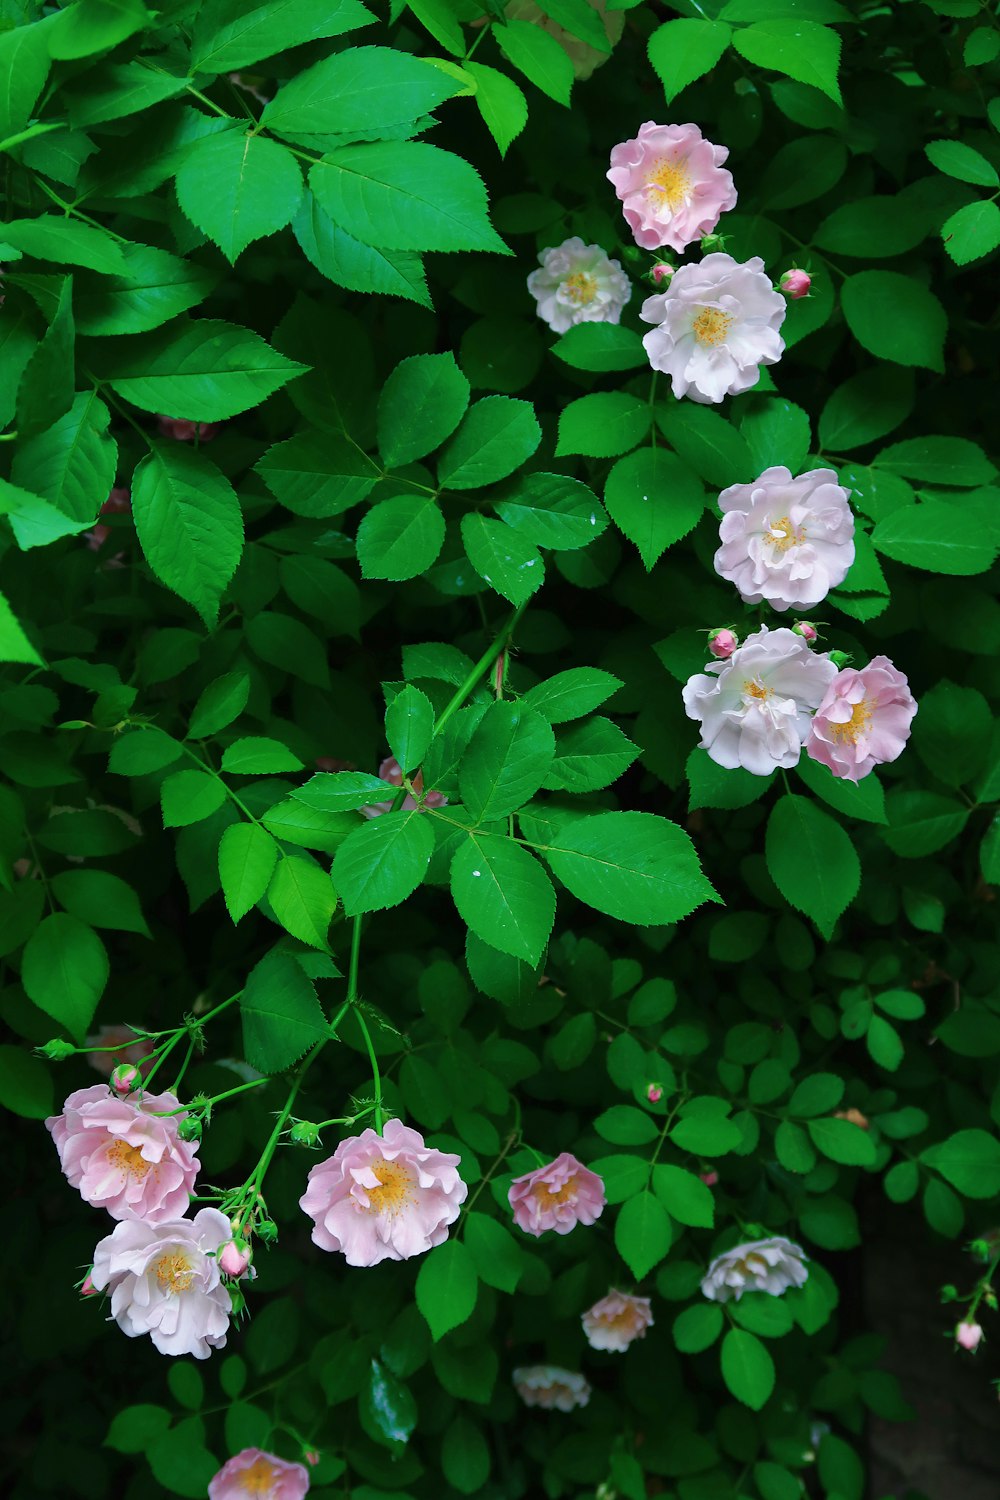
(215,1099)
(163,1057)
(224,1005)
(376,1075)
(42,128)
(175,1086)
(479,671)
(260,1169)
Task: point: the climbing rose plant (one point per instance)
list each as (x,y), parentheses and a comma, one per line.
(497,665)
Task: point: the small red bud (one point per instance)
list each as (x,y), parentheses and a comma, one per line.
(807,630)
(654,1093)
(722,643)
(795,283)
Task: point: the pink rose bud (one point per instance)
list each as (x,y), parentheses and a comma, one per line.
(807,630)
(654,1093)
(87,1287)
(709,1178)
(311,1456)
(124,1078)
(661,272)
(795,283)
(234,1258)
(722,643)
(968,1336)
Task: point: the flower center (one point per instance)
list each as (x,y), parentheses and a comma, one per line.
(782,534)
(396,1189)
(258,1479)
(670,181)
(548,1198)
(128,1159)
(580,288)
(174,1272)
(752,1265)
(856,724)
(711,326)
(754,688)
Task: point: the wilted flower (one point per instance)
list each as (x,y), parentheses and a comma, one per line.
(391,772)
(863,721)
(559,1196)
(671,184)
(786,541)
(124,1158)
(549,1386)
(132,1049)
(795,283)
(717,323)
(254,1472)
(968,1335)
(164,1280)
(383,1197)
(755,709)
(617,1321)
(578,283)
(762,1266)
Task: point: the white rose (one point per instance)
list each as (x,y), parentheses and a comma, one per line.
(787,541)
(577,283)
(762,1266)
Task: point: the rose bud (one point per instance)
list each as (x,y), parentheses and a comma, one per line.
(722,643)
(234,1258)
(807,630)
(124,1078)
(660,273)
(87,1287)
(57,1050)
(968,1335)
(654,1093)
(304,1133)
(795,283)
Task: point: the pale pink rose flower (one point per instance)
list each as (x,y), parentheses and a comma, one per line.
(617,1321)
(578,283)
(133,1049)
(383,1197)
(863,721)
(756,709)
(254,1472)
(164,1280)
(968,1335)
(551,1387)
(672,185)
(391,771)
(559,1196)
(184,431)
(717,323)
(122,1157)
(770,1266)
(795,283)
(785,541)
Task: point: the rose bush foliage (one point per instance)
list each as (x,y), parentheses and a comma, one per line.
(301,478)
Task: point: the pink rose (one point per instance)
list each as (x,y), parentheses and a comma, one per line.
(671,184)
(550,1387)
(254,1472)
(383,1197)
(122,1157)
(786,541)
(164,1280)
(183,431)
(391,772)
(863,721)
(559,1196)
(617,1321)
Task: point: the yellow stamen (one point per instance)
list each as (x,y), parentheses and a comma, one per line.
(856,724)
(396,1189)
(549,1199)
(128,1159)
(670,181)
(580,288)
(711,326)
(756,689)
(258,1479)
(782,534)
(174,1272)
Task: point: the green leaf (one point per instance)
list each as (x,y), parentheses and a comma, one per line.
(288,644)
(792,1148)
(842,1141)
(553,511)
(864,799)
(601,347)
(503,895)
(143,750)
(936,537)
(800,49)
(189,524)
(939,460)
(590,756)
(885,1046)
(571,694)
(340,791)
(188,796)
(387,1408)
(465,1455)
(100,899)
(344,260)
(220,703)
(537,55)
(681,51)
(707,442)
(969,1160)
(405,195)
(920,823)
(777,432)
(685,1196)
(72,463)
(747,1368)
(506,762)
(972,231)
(14,644)
(895,318)
(156,287)
(962,161)
(382,863)
(67,242)
(359,90)
(642,1233)
(202,371)
(811,860)
(698,1327)
(303,899)
(26,1086)
(602,425)
(230,34)
(507,561)
(866,407)
(122,89)
(92,26)
(420,405)
(237,188)
(446,1287)
(64,969)
(874,228)
(134,1428)
(247,856)
(400,538)
(409,726)
(624,1125)
(634,866)
(498,1258)
(952,732)
(500,102)
(24,66)
(46,390)
(496,436)
(282,1017)
(654,499)
(317,474)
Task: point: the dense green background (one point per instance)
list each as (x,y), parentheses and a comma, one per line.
(315,555)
